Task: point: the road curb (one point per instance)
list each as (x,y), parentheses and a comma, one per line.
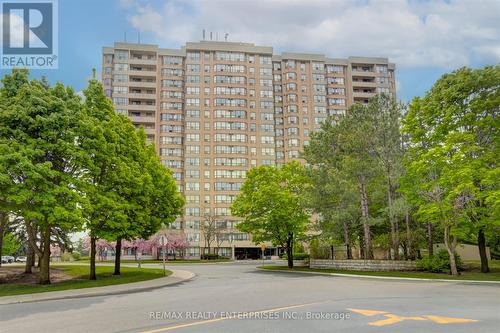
(177,276)
(478,282)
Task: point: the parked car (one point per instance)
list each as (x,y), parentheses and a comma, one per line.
(7,259)
(21,259)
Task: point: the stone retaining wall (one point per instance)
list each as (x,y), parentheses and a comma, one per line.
(364,265)
(296,263)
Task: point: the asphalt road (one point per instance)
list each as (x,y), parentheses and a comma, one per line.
(239,298)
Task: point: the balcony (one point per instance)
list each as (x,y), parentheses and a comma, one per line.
(363,94)
(169,76)
(134,72)
(150,131)
(142,84)
(142,61)
(142,95)
(142,119)
(364,84)
(142,107)
(360,72)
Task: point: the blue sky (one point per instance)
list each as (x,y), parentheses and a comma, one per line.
(424,38)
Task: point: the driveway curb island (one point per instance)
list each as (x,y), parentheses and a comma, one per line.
(177,276)
(492,283)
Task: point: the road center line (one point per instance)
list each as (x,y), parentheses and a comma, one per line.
(203,322)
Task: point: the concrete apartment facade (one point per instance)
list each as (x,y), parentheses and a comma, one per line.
(216,109)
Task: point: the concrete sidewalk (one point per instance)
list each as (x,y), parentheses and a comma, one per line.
(177,276)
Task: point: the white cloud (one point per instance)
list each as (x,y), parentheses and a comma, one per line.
(444,34)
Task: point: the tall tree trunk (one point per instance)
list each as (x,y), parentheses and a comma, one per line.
(361,247)
(3,223)
(1,245)
(368,253)
(39,257)
(30,260)
(430,242)
(395,239)
(118,253)
(450,247)
(44,262)
(347,242)
(32,247)
(409,241)
(92,275)
(289,250)
(393,223)
(33,257)
(481,243)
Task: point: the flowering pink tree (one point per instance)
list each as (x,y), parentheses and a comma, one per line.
(101,246)
(156,241)
(127,245)
(55,251)
(142,245)
(139,246)
(175,242)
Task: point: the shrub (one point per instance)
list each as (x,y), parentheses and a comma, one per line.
(76,255)
(438,263)
(66,256)
(301,256)
(209,256)
(319,250)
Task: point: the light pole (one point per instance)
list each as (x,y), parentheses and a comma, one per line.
(163,241)
(263,248)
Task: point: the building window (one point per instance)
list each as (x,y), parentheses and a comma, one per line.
(121,54)
(193,56)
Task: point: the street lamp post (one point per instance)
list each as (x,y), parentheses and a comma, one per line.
(263,248)
(163,241)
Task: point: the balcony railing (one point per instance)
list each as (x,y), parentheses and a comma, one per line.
(142,95)
(142,119)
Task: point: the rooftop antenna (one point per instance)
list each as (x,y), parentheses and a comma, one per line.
(203,34)
(225,36)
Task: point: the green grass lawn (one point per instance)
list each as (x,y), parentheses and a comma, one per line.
(476,264)
(472,274)
(80,273)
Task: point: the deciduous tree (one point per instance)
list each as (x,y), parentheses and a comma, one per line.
(344,145)
(271,204)
(454,153)
(40,154)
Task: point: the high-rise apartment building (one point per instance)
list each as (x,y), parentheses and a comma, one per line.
(216,109)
